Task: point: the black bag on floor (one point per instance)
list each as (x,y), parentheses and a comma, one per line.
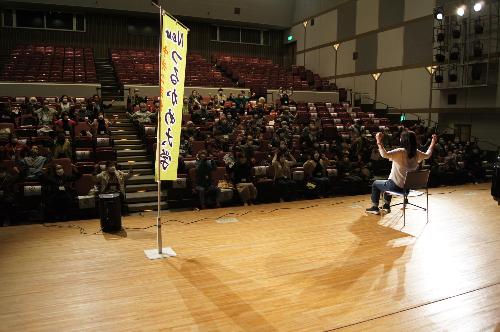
(495,183)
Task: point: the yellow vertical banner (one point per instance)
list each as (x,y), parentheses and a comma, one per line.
(172,74)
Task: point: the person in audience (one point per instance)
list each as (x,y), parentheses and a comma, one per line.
(62,147)
(285,96)
(100,126)
(6,115)
(142,116)
(315,171)
(282,165)
(7,198)
(32,165)
(66,125)
(403,159)
(204,185)
(195,99)
(113,181)
(65,104)
(136,99)
(46,115)
(96,104)
(220,98)
(31,106)
(59,195)
(14,150)
(242,179)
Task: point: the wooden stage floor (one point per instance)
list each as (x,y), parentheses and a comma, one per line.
(303,266)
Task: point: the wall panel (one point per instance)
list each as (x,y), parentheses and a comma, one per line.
(390,48)
(416,85)
(415,9)
(367,15)
(346,64)
(389,88)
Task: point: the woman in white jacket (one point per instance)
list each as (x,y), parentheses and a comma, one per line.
(404,159)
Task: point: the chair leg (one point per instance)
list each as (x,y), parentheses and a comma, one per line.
(404,211)
(427,206)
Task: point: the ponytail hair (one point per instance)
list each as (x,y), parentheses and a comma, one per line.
(409,143)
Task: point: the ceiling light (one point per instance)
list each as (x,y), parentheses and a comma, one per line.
(478,6)
(461,10)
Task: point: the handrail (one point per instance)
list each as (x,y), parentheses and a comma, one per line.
(435,124)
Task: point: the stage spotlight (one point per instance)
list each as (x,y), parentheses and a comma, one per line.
(461,10)
(476,72)
(454,52)
(439,13)
(478,27)
(440,37)
(440,57)
(438,76)
(478,6)
(478,48)
(452,75)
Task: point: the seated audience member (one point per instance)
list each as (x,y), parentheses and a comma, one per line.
(194,99)
(6,115)
(220,98)
(248,147)
(315,170)
(66,125)
(65,104)
(14,150)
(59,195)
(142,115)
(223,127)
(282,166)
(112,180)
(285,96)
(136,99)
(100,126)
(7,199)
(32,165)
(96,104)
(100,167)
(31,106)
(204,186)
(242,179)
(62,147)
(46,115)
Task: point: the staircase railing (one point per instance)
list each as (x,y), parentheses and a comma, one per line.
(432,123)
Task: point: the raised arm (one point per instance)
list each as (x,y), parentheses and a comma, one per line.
(428,153)
(383,152)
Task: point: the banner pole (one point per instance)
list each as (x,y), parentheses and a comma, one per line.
(158,132)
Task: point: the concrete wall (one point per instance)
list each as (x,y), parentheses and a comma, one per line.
(273,13)
(47,89)
(307,96)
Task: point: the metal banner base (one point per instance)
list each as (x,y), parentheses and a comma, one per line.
(166,252)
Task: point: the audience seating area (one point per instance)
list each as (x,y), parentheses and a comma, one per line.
(135,66)
(252,72)
(47,63)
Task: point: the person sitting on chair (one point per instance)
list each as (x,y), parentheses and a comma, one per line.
(404,159)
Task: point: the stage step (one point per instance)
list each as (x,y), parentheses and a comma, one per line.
(120,132)
(125,152)
(140,207)
(140,179)
(123,136)
(132,158)
(144,171)
(136,165)
(130,147)
(144,197)
(132,188)
(127,141)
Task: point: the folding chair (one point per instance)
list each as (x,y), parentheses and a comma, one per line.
(414,180)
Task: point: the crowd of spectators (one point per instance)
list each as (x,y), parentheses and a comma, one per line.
(38,141)
(243,132)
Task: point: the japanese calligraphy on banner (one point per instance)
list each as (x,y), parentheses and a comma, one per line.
(173,66)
